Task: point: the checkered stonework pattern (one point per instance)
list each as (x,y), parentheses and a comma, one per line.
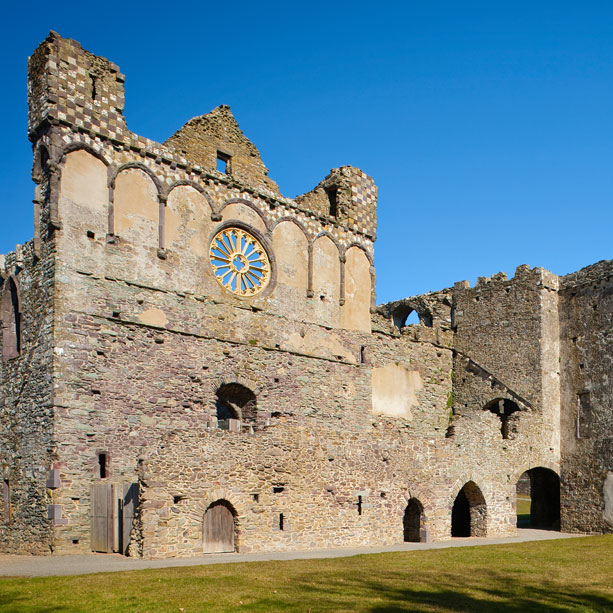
(82,95)
(79,89)
(362,211)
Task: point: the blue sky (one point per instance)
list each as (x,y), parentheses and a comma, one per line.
(486,125)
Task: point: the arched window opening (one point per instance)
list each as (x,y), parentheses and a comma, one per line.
(469,512)
(11,321)
(504,409)
(407,316)
(413,521)
(538,499)
(219,529)
(236,405)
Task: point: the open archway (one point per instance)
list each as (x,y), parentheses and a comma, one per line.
(10,320)
(219,530)
(235,404)
(469,512)
(538,499)
(412,521)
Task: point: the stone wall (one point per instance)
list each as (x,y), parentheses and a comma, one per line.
(586,324)
(27,442)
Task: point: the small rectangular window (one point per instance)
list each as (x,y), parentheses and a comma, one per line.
(332,193)
(277,489)
(223,163)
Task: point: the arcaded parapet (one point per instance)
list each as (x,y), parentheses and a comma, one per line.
(27,443)
(215,139)
(586,322)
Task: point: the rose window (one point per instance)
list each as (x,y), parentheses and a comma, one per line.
(239,262)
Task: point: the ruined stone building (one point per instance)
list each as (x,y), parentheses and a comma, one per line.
(193,362)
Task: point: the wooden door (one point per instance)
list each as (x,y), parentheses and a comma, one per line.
(102,518)
(218,529)
(127,510)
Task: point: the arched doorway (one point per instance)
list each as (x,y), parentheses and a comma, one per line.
(412,521)
(538,499)
(219,528)
(469,512)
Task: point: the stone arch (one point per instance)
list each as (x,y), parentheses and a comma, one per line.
(413,521)
(356,290)
(220,527)
(326,284)
(236,406)
(336,243)
(136,205)
(254,217)
(469,512)
(137,165)
(239,505)
(544,498)
(401,313)
(361,248)
(507,412)
(187,222)
(265,243)
(79,146)
(290,244)
(84,193)
(10,318)
(293,220)
(196,186)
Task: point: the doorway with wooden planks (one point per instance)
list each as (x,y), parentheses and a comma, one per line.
(113,507)
(219,530)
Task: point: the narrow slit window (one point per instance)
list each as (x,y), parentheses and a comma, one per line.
(362,354)
(281,522)
(94,91)
(103,465)
(359,505)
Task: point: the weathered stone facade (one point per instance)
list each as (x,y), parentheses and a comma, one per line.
(135,382)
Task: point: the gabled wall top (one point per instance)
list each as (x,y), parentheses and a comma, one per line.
(217,134)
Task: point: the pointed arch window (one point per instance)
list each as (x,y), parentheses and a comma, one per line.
(10,314)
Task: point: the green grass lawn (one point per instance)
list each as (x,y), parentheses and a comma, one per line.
(562,575)
(523,511)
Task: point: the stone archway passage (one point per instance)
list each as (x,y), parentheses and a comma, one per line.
(544,498)
(412,521)
(219,528)
(469,512)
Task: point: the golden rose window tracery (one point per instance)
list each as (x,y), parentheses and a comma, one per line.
(239,262)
